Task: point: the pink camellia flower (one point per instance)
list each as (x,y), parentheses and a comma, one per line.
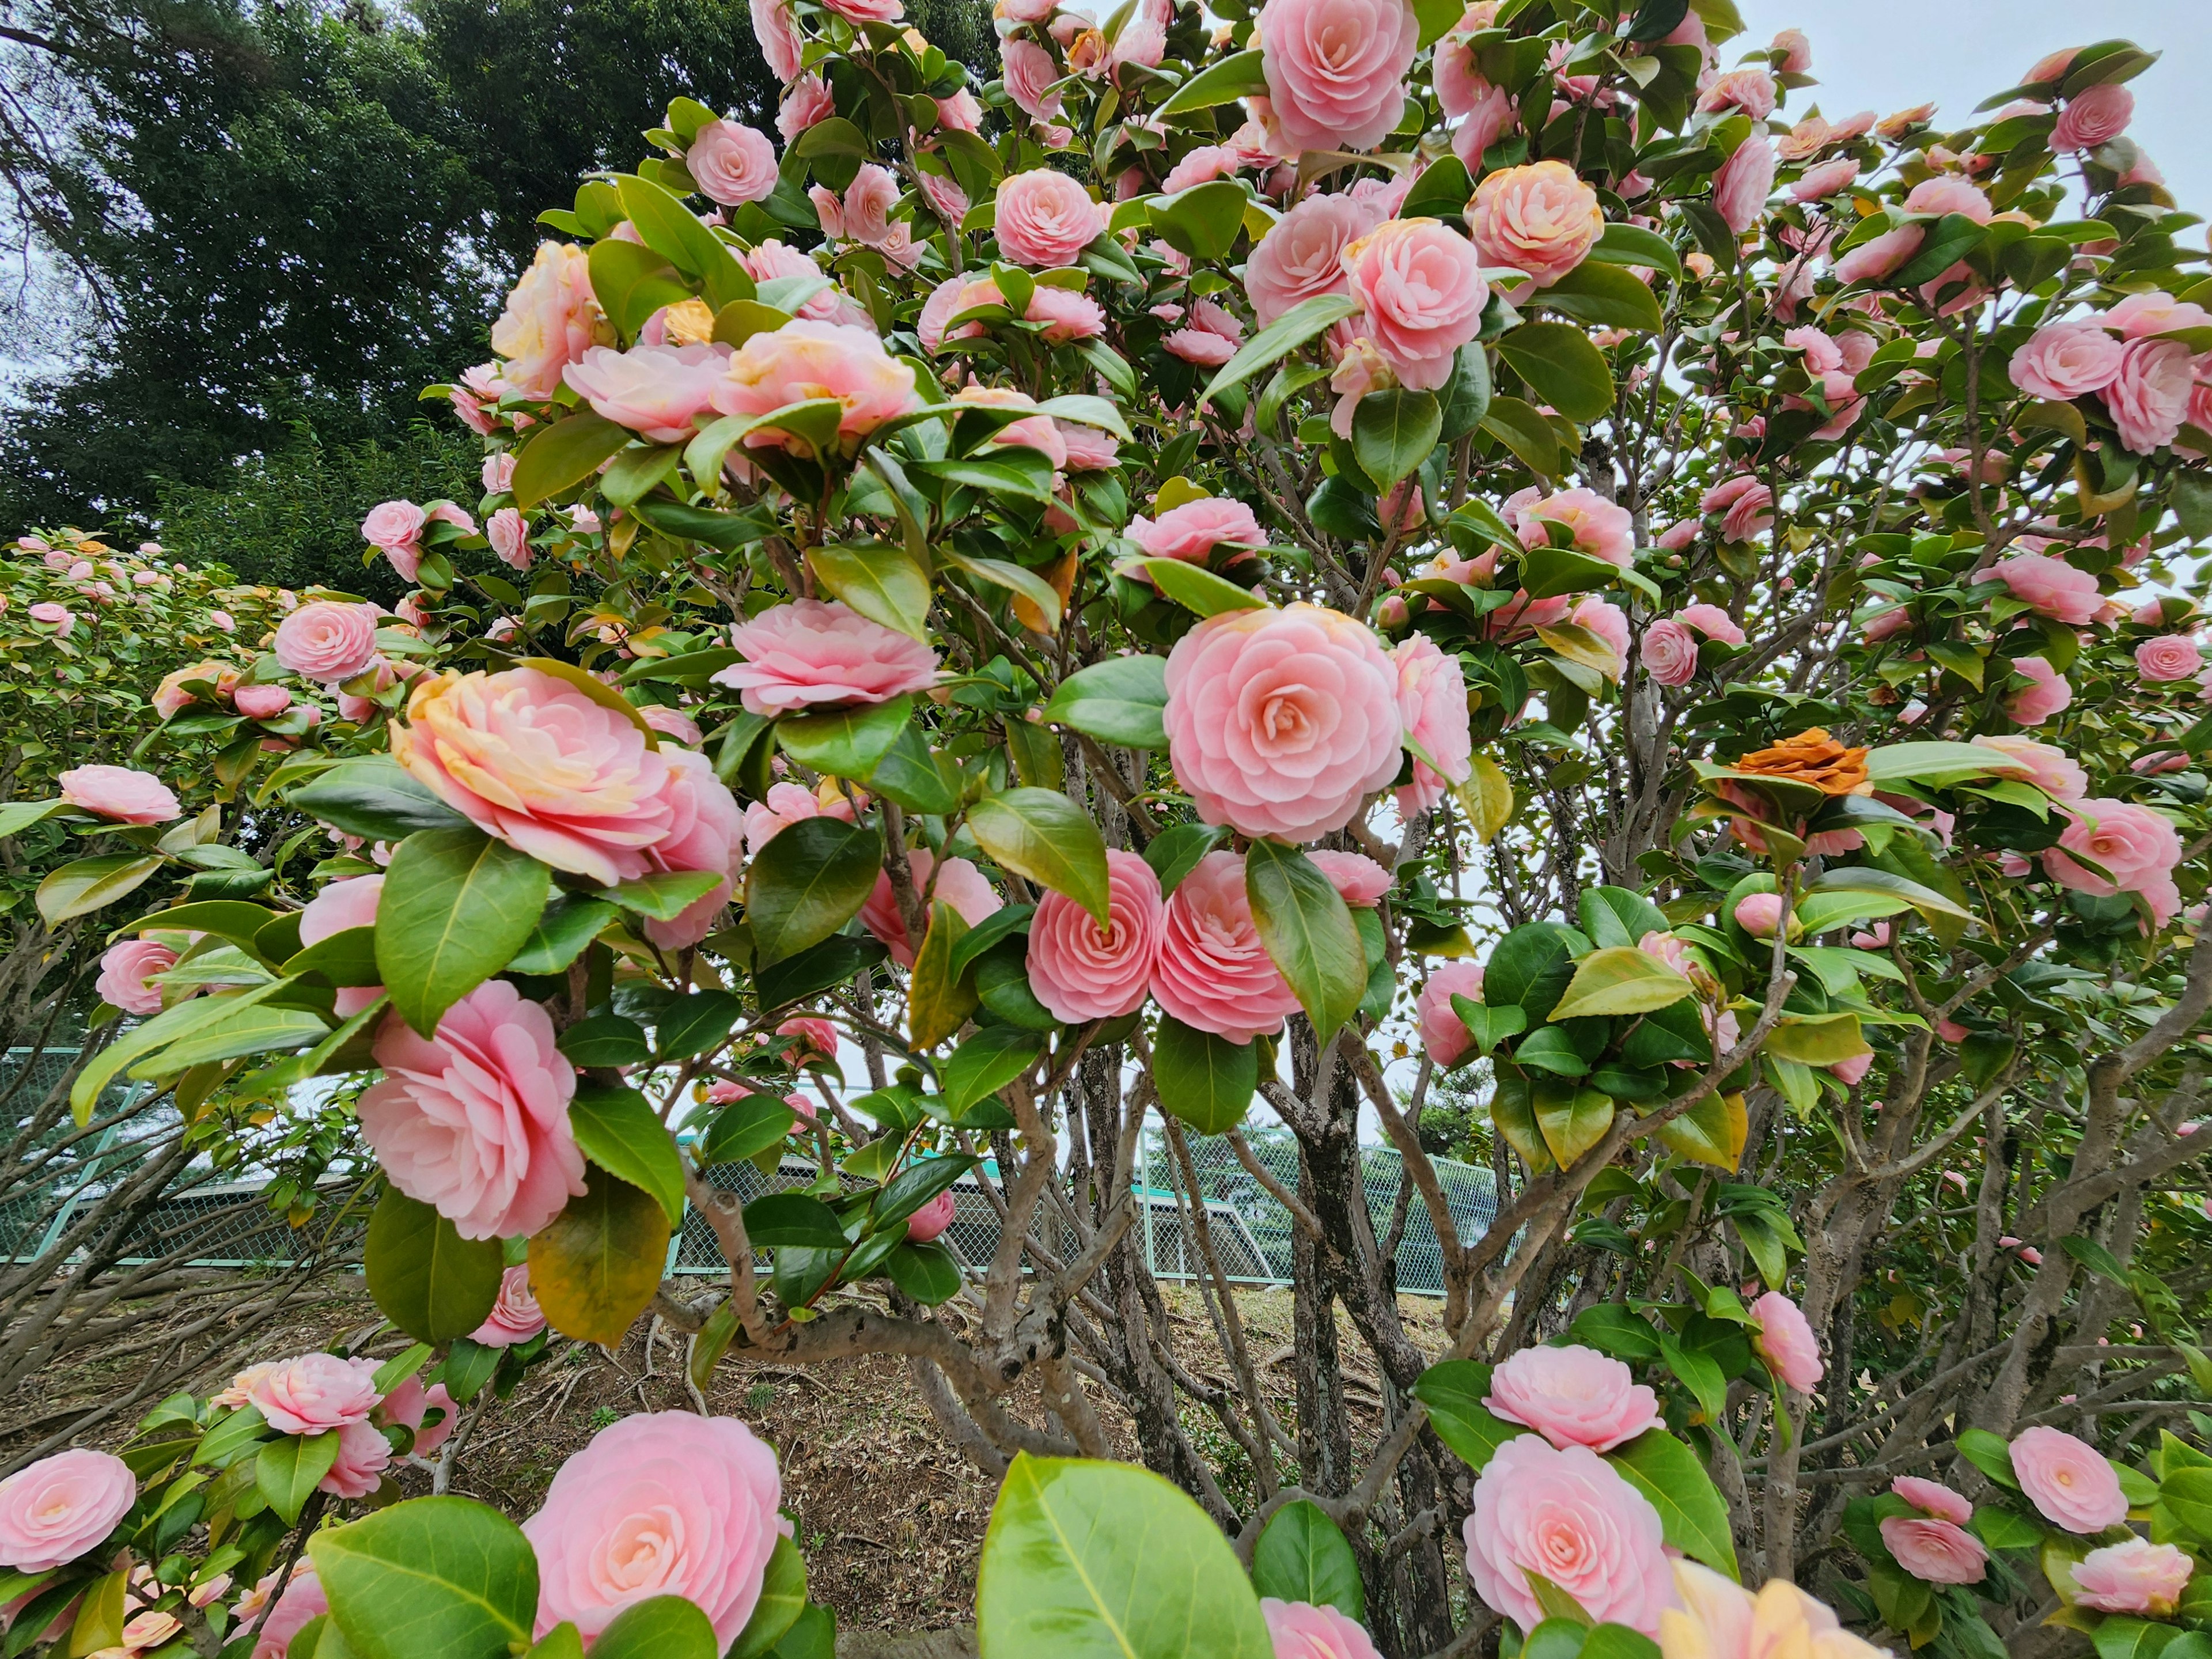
(1572,1396)
(2148,398)
(121,792)
(127,971)
(811,652)
(1542,219)
(2064,361)
(1713,623)
(1211,338)
(1305,1630)
(1067,316)
(315,1394)
(788,804)
(1935,1551)
(1432,710)
(1566,1513)
(1212,971)
(2136,847)
(2049,695)
(261,702)
(1490,115)
(508,533)
(515,1316)
(869,199)
(926,1224)
(340,906)
(327,640)
(1669,653)
(538,763)
(552,318)
(1934,1497)
(781,43)
(1603,529)
(1744,182)
(1444,1035)
(1206,163)
(731,164)
(1850,1070)
(1750,90)
(410,1403)
(2068,1480)
(1358,880)
(705,832)
(1279,722)
(1715,1617)
(960,885)
(1610,624)
(59,617)
(869,11)
(812,1038)
(474,1121)
(1871,261)
(2168,657)
(806,102)
(1089,449)
(2153,313)
(1825,179)
(672,722)
(1080,970)
(1031,72)
(1336,69)
(1745,505)
(302,1600)
(2048,769)
(1194,530)
(2052,586)
(1045,218)
(363,1455)
(1786,1342)
(654,390)
(1758,914)
(664,1504)
(1421,286)
(2136,1577)
(806,360)
(395,529)
(2095,115)
(59,1507)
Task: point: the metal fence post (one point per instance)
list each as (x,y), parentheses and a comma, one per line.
(1144,1191)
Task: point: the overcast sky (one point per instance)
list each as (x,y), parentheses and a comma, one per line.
(1887,55)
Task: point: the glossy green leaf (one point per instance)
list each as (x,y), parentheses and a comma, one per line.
(1603,295)
(884,583)
(86,885)
(1302,1556)
(1237,75)
(443,1576)
(783,1598)
(457,906)
(1121,699)
(659,1627)
(1692,1512)
(807,883)
(291,1466)
(1199,590)
(617,1130)
(1045,836)
(564,455)
(426,1278)
(1206,1080)
(849,743)
(1562,367)
(1308,932)
(1393,431)
(986,1063)
(1307,321)
(1619,980)
(376,799)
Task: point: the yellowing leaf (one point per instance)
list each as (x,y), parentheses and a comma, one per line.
(1488,797)
(1620,980)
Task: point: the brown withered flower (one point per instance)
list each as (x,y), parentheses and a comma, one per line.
(1813,757)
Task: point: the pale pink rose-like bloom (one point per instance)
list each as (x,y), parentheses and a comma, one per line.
(2137,848)
(1336,68)
(928,1223)
(1358,879)
(127,969)
(960,885)
(1825,179)
(1750,90)
(2049,695)
(663,1503)
(261,702)
(2063,361)
(410,1403)
(363,1455)
(395,529)
(1038,431)
(1794,50)
(948,299)
(1603,529)
(1572,1396)
(705,832)
(1207,161)
(1713,623)
(869,11)
(327,640)
(1422,288)
(2095,115)
(1045,218)
(1194,530)
(1934,1497)
(515,1316)
(2149,398)
(1744,182)
(1849,1071)
(960,113)
(1677,536)
(2053,587)
(1568,1514)
(474,1121)
(339,907)
(1444,1035)
(1089,449)
(2068,1480)
(1459,82)
(1082,971)
(672,722)
(1067,316)
(2154,313)
(1746,504)
(1669,653)
(1030,73)
(1211,971)
(733,164)
(806,102)
(869,200)
(2048,768)
(1306,1630)
(1200,346)
(945,198)
(779,38)
(121,792)
(551,319)
(788,804)
(2168,657)
(59,617)
(2136,1577)
(509,531)
(54,1510)
(315,1393)
(1492,115)
(1359,371)
(1143,41)
(1279,722)
(303,1600)
(1947,193)
(1935,1551)
(806,360)
(1785,1339)
(1715,1617)
(1541,219)
(1610,624)
(653,390)
(1432,709)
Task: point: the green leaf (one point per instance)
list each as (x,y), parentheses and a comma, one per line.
(1454,1392)
(606,1040)
(1096,1560)
(347,958)
(1392,433)
(911,776)
(1938,764)
(659,1627)
(426,1278)
(442,1575)
(1199,590)
(986,1063)
(746,1127)
(248,1029)
(1176,852)
(807,883)
(457,906)
(1307,933)
(561,932)
(1562,367)
(377,799)
(564,455)
(2121,1637)
(664,895)
(1302,1556)
(1531,967)
(695,1024)
(1618,916)
(1603,296)
(1521,428)
(18,816)
(674,232)
(631,282)
(929,1274)
(1011,470)
(2186,1493)
(1203,1078)
(1817,1040)
(783,1598)
(1948,240)
(814,970)
(1691,1513)
(89,884)
(794,1218)
(813,1635)
(1547,572)
(884,583)
(1307,321)
(1699,1373)
(291,1468)
(1015,578)
(595,1266)
(2001,1529)
(1488,1026)
(1633,244)
(1121,699)
(1620,980)
(617,1130)
(939,995)
(1203,220)
(1237,75)
(850,743)
(1046,837)
(171,1025)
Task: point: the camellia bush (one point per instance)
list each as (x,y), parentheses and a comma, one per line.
(1259,564)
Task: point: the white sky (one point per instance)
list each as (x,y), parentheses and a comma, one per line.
(1887,55)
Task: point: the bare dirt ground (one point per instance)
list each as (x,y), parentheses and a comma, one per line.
(890,1518)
